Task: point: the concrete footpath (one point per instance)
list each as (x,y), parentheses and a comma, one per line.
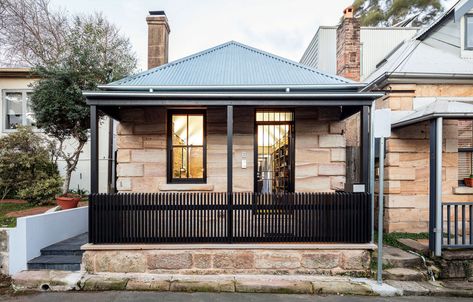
(287,284)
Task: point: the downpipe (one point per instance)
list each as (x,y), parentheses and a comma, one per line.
(429,270)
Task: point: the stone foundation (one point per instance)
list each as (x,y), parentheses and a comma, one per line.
(229,260)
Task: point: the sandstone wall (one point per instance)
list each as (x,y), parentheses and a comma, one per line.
(141,143)
(407,160)
(229,261)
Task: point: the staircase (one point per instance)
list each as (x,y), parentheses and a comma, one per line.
(65,255)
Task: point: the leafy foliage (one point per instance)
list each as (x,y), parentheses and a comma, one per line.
(95,53)
(391,12)
(26,164)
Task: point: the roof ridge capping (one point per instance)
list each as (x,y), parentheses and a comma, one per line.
(335,79)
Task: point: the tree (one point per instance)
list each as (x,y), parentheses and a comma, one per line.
(96,53)
(27,169)
(391,12)
(69,54)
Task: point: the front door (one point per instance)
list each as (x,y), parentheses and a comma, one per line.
(274,152)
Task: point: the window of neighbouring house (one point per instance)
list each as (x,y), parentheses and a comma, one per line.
(465,149)
(186,147)
(17,110)
(469,32)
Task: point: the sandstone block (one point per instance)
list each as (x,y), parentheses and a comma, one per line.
(128,169)
(120,262)
(400,173)
(155,142)
(355,260)
(123,156)
(338,154)
(273,286)
(146,184)
(101,284)
(323,260)
(149,156)
(202,261)
(156,170)
(332,169)
(149,285)
(277,260)
(124,128)
(337,182)
(129,142)
(337,127)
(341,287)
(407,145)
(312,184)
(177,260)
(239,260)
(331,141)
(149,128)
(313,155)
(132,114)
(124,184)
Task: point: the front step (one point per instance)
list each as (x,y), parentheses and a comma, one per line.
(394,257)
(404,274)
(65,255)
(56,262)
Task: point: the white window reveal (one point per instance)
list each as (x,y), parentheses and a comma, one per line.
(469,32)
(17,110)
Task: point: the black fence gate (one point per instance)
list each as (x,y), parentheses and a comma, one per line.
(204,217)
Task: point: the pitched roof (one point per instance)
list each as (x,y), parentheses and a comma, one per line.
(230,64)
(415,56)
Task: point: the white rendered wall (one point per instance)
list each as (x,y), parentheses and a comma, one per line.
(32,233)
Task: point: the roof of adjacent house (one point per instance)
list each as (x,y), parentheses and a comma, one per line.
(434,51)
(229,64)
(438,108)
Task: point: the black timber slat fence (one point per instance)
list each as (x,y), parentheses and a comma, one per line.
(457,224)
(203,217)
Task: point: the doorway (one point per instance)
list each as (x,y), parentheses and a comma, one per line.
(274,151)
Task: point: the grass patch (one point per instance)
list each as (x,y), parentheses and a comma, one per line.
(11,207)
(392,238)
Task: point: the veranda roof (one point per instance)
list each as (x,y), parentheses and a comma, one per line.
(438,108)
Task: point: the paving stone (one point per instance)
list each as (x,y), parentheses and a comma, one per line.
(46,280)
(98,283)
(415,245)
(396,257)
(273,286)
(150,285)
(409,288)
(213,283)
(341,287)
(403,274)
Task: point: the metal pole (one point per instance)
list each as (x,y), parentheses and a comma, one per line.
(230,172)
(438,188)
(94,150)
(372,155)
(380,210)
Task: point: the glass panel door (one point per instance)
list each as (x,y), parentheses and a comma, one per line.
(274,144)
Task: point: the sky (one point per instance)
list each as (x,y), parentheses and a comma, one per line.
(282,27)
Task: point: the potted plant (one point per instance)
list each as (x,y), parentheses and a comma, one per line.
(68,201)
(468,181)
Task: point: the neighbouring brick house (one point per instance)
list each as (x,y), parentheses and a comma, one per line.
(424,78)
(277,124)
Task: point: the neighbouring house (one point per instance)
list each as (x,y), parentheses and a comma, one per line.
(427,81)
(230,145)
(15,90)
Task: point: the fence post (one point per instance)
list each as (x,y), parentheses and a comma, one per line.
(230,172)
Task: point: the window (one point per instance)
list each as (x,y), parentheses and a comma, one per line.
(186,147)
(465,149)
(469,32)
(17,109)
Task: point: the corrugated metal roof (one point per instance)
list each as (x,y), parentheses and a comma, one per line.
(415,56)
(439,108)
(231,64)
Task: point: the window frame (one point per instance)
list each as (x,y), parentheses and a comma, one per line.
(461,182)
(169,148)
(24,107)
(465,45)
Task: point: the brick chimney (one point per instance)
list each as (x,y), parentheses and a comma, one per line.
(158,38)
(348,46)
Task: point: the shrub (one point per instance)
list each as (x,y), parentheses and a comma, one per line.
(27,167)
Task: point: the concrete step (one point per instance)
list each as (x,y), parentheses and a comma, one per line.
(55,262)
(395,257)
(69,246)
(404,274)
(415,245)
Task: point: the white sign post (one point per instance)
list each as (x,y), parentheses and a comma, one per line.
(382,129)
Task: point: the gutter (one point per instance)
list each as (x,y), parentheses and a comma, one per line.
(216,88)
(432,116)
(228,96)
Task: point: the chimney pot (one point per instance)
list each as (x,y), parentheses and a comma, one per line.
(348,12)
(158,38)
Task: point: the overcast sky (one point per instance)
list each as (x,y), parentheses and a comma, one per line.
(282,27)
